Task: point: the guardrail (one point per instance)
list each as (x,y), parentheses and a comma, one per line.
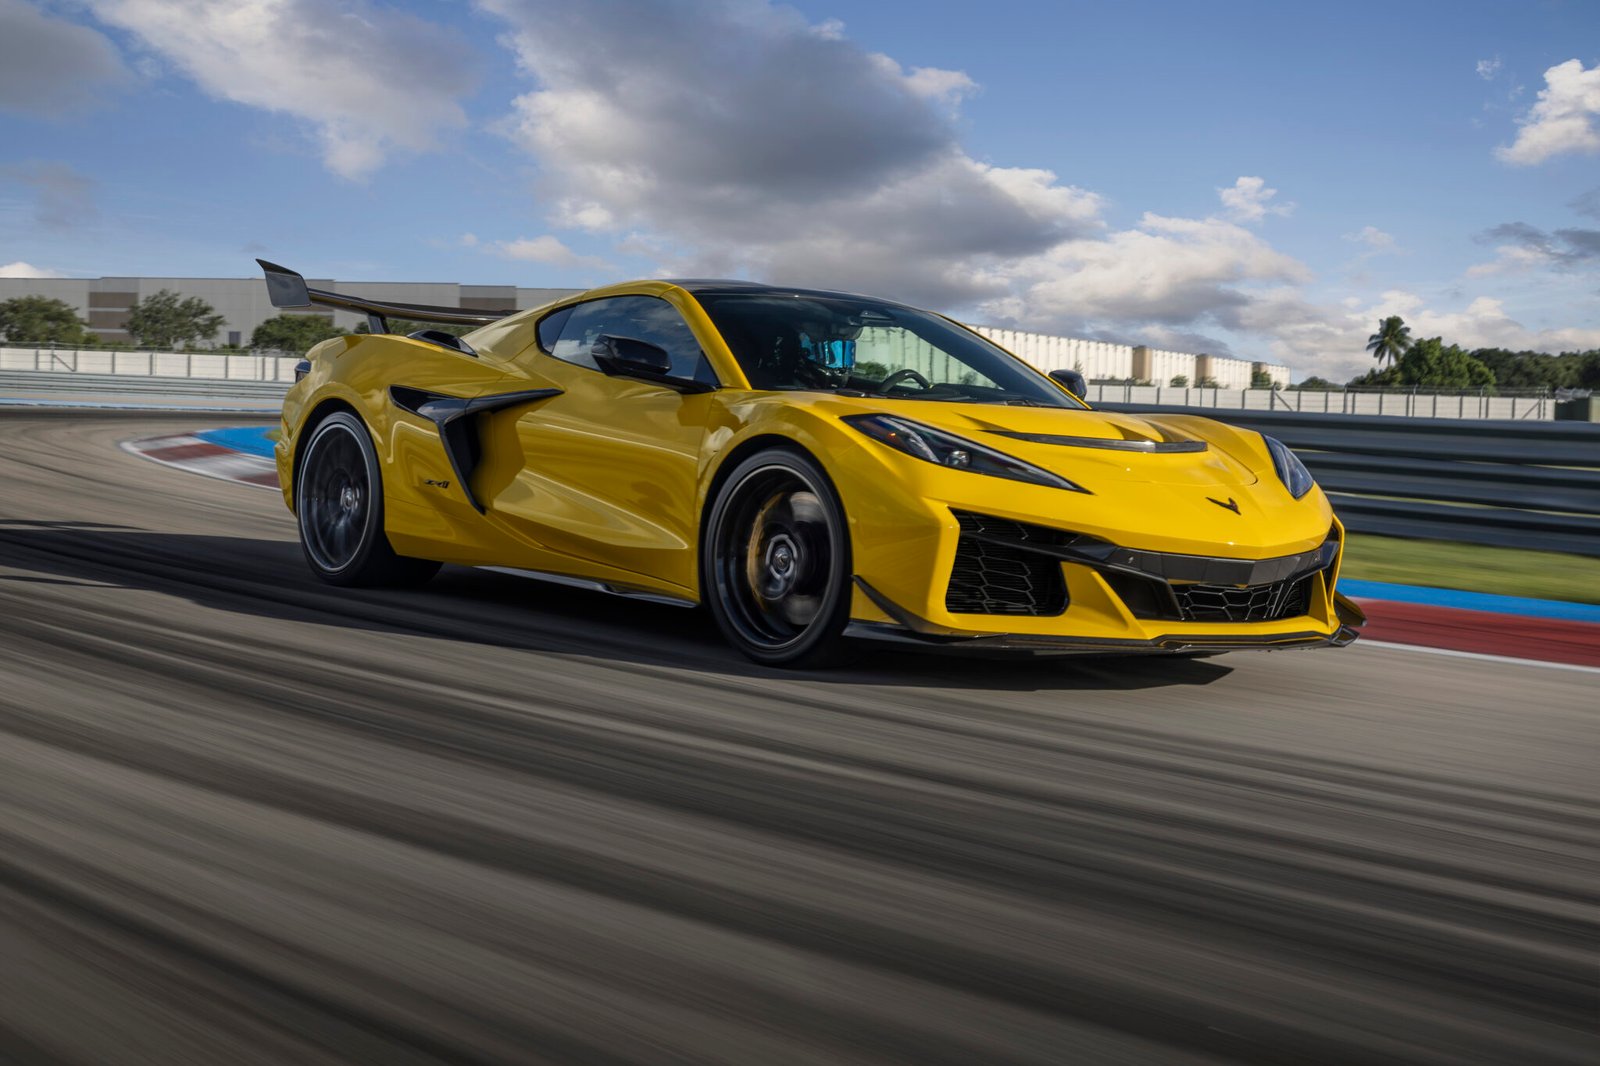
(1513,404)
(1509,484)
(101,388)
(122,362)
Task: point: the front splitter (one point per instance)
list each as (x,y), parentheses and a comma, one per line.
(912,630)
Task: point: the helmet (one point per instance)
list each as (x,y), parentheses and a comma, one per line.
(835,358)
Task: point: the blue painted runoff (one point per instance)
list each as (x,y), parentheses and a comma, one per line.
(1471,601)
(251,440)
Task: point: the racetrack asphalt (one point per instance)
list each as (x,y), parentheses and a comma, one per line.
(246,818)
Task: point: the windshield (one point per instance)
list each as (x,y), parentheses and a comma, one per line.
(863,347)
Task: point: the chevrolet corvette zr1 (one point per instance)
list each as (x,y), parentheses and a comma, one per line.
(812,466)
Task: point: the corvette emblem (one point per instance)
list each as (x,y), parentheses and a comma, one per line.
(1230,505)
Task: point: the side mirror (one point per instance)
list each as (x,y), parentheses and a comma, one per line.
(627,357)
(1072,381)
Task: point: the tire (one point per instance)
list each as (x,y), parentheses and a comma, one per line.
(338,503)
(776,561)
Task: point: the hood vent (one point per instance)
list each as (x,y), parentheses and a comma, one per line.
(1118,445)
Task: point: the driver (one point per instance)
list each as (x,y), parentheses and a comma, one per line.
(827,360)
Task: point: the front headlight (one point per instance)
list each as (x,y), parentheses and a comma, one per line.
(946,449)
(1291,471)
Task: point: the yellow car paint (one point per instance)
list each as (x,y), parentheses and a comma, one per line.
(608,480)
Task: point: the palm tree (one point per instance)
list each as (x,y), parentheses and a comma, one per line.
(1391,340)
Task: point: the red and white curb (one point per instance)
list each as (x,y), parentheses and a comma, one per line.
(198,456)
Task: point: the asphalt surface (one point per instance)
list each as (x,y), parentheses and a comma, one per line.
(245,818)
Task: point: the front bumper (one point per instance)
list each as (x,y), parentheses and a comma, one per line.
(910,629)
(1087,595)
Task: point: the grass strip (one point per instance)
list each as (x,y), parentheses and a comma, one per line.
(1473,568)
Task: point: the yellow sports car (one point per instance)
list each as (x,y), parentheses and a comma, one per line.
(812,466)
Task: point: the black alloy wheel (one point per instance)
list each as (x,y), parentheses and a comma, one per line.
(776,560)
(339,506)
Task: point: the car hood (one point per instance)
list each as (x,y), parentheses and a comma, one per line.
(1091,447)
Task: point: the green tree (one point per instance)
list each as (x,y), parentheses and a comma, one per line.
(167,320)
(1261,379)
(294,333)
(1179,381)
(1315,383)
(1588,370)
(1437,365)
(1391,340)
(42,320)
(1539,370)
(1387,378)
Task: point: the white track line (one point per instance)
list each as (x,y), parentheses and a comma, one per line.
(1477,655)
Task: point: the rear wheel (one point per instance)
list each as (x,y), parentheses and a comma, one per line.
(776,559)
(339,504)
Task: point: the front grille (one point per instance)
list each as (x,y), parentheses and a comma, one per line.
(1008,567)
(997,578)
(1247,603)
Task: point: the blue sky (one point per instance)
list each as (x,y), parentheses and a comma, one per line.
(1259,179)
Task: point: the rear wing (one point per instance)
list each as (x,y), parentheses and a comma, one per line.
(285,288)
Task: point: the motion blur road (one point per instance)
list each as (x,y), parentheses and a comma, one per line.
(248,818)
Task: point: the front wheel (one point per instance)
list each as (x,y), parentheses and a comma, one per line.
(776,560)
(339,505)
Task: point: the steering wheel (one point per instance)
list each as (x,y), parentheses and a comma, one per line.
(903,374)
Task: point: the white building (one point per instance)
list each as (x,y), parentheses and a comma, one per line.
(1099,360)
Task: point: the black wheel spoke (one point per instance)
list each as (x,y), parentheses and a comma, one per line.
(336,499)
(774,558)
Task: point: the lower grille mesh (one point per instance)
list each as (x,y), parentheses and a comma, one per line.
(1248,603)
(991,578)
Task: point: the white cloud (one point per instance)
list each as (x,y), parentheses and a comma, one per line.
(49,66)
(547,249)
(62,196)
(1563,118)
(1330,339)
(748,140)
(1374,238)
(1488,68)
(1588,203)
(1483,323)
(1520,247)
(1165,272)
(1509,258)
(19,269)
(948,87)
(1249,200)
(368,79)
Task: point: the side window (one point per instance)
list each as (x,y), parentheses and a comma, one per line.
(644,318)
(550,328)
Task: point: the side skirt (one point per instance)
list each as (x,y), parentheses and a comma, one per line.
(592,585)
